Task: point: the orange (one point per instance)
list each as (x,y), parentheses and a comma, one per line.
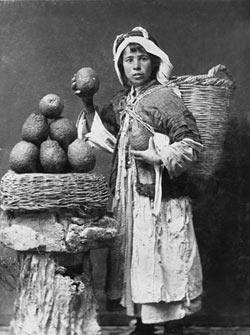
(51,106)
(81,156)
(87,81)
(24,157)
(52,157)
(139,136)
(35,129)
(63,130)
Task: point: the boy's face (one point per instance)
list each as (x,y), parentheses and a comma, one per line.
(137,66)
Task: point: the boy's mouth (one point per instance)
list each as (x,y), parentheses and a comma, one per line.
(138,75)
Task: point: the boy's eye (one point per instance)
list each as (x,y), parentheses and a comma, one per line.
(128,60)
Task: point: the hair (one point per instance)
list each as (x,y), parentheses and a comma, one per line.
(155,61)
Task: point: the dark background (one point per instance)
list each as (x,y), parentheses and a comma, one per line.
(43,43)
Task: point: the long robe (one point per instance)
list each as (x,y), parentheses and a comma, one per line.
(155,264)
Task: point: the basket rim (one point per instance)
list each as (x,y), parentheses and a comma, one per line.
(202,80)
(51,175)
(211,78)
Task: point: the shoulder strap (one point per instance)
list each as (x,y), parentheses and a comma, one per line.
(131,108)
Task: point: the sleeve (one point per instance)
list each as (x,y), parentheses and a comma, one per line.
(110,113)
(180,144)
(109,119)
(176,120)
(178,156)
(100,137)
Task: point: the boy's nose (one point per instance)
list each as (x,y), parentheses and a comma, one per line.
(137,64)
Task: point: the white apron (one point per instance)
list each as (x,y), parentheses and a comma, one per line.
(162,269)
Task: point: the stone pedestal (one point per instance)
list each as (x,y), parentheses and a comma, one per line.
(55,294)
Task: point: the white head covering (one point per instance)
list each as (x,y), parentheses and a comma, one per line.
(140,35)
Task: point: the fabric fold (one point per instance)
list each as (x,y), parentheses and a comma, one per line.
(99,137)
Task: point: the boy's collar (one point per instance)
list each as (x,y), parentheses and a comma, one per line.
(136,90)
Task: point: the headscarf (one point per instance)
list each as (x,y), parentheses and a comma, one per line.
(141,36)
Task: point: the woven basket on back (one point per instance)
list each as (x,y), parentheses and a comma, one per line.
(37,191)
(208,97)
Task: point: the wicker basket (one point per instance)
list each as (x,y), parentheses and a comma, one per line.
(208,97)
(37,191)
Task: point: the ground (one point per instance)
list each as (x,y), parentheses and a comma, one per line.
(188,331)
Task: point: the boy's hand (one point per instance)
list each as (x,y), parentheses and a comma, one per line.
(149,156)
(74,88)
(87,99)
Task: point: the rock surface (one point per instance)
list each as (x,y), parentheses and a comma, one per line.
(55,231)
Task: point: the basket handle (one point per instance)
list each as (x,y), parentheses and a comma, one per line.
(220,71)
